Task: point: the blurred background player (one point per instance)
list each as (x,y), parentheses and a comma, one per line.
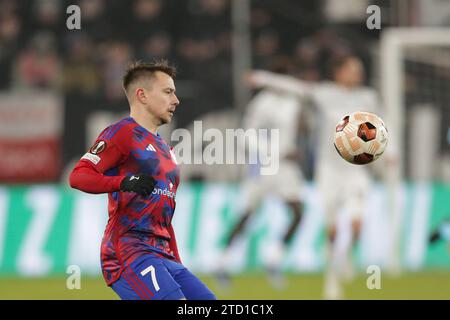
(272,109)
(137,168)
(343,187)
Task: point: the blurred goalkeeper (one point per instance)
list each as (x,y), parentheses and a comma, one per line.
(343,187)
(138,170)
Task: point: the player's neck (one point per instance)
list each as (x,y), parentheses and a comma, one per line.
(145,121)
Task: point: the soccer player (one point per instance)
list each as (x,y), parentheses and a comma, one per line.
(342,186)
(271,109)
(138,170)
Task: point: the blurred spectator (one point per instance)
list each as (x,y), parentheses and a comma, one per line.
(260,19)
(207,18)
(83,91)
(47,16)
(194,34)
(157,46)
(207,69)
(39,65)
(10,27)
(81,69)
(94,20)
(147,18)
(306,59)
(265,47)
(199,50)
(116,55)
(8,7)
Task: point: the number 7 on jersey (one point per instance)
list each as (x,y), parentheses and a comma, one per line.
(152,271)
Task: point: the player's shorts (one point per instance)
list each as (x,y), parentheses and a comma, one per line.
(286,184)
(150,277)
(342,192)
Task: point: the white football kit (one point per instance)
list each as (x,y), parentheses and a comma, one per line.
(272,109)
(342,186)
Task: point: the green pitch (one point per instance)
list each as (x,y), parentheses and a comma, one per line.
(423,285)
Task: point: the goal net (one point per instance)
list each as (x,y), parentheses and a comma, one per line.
(415,86)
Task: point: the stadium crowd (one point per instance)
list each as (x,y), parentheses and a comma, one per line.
(85,66)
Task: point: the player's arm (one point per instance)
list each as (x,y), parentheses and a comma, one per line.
(173,243)
(85,178)
(89,173)
(260,78)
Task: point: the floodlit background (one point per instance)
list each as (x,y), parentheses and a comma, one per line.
(60,87)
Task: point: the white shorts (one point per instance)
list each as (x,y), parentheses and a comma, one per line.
(286,184)
(342,192)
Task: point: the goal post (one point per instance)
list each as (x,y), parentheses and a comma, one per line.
(421,47)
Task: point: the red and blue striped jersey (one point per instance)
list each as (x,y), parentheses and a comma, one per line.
(136,224)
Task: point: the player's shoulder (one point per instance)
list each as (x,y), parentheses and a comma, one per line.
(325,87)
(122,127)
(264,95)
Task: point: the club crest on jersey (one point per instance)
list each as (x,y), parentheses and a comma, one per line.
(98,147)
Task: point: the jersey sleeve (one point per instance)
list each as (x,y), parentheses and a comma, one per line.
(108,152)
(281,82)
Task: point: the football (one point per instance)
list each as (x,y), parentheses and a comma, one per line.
(360,137)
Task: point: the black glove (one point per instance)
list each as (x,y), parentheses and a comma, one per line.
(142,184)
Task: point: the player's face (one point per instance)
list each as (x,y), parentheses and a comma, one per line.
(161,98)
(351,73)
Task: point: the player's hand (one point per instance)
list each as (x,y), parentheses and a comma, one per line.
(142,184)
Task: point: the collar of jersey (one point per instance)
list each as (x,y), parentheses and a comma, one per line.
(154,135)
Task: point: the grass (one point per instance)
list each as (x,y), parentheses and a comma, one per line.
(423,285)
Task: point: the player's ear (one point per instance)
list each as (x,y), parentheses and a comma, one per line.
(140,95)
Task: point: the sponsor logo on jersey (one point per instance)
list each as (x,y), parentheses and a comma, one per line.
(92,158)
(164,192)
(134,178)
(98,147)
